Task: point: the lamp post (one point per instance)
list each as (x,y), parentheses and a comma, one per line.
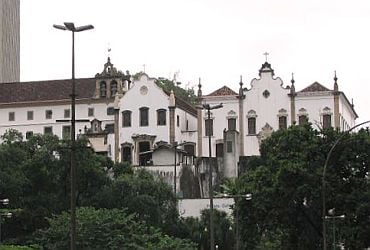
(212,233)
(6,215)
(323,189)
(237,198)
(71,27)
(333,217)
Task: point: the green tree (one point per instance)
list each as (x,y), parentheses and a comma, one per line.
(141,193)
(187,95)
(106,229)
(35,177)
(285,211)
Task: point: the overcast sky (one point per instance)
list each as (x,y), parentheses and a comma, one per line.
(217,40)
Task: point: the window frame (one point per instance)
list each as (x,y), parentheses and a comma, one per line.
(252,127)
(326,121)
(231,123)
(48,114)
(64,136)
(128,123)
(161,117)
(11,116)
(143,122)
(110,111)
(103,89)
(90,112)
(30,115)
(284,124)
(48,133)
(112,84)
(67,113)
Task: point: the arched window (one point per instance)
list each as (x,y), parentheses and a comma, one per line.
(103,89)
(302,116)
(113,88)
(326,118)
(283,121)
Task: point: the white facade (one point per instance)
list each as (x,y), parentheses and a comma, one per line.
(267,106)
(146,98)
(108,100)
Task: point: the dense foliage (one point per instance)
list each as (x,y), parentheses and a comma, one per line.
(35,176)
(106,229)
(286,209)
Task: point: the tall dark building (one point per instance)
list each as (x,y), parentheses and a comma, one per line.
(9,40)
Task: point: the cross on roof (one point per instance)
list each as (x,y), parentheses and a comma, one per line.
(266,54)
(109,50)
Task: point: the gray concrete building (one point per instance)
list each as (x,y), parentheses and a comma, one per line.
(9,40)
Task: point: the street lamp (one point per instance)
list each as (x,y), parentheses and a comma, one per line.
(4,201)
(333,217)
(323,189)
(212,233)
(71,27)
(237,198)
(6,215)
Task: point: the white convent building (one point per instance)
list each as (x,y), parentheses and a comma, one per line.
(135,120)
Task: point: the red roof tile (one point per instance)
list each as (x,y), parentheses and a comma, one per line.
(223,91)
(52,90)
(315,87)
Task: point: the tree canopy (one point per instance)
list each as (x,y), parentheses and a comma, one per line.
(285,211)
(106,229)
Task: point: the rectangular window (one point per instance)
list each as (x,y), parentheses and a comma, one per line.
(126,118)
(209,127)
(326,121)
(110,111)
(219,150)
(231,123)
(67,113)
(144,116)
(283,122)
(252,125)
(109,128)
(29,115)
(178,121)
(48,130)
(161,117)
(66,132)
(90,112)
(29,134)
(48,114)
(11,116)
(302,119)
(187,125)
(229,146)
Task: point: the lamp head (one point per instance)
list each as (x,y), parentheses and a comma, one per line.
(70,26)
(60,27)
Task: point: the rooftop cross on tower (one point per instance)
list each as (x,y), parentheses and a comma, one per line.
(266,54)
(109,50)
